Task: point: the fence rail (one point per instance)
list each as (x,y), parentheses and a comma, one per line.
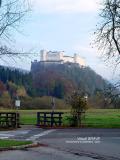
(49,119)
(9,120)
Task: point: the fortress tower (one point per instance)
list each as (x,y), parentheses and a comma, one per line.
(43,55)
(79,60)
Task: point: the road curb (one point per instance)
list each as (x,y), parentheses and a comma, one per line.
(22,147)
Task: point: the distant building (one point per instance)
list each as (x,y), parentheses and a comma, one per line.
(60,57)
(56,58)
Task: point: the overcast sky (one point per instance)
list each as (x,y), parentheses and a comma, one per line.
(62,25)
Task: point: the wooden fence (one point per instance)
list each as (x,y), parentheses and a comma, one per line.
(9,120)
(49,119)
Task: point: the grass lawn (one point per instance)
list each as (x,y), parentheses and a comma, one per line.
(103,118)
(98,118)
(30,116)
(10,143)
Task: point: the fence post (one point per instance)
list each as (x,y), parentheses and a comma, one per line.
(18,120)
(60,119)
(52,119)
(45,119)
(7,120)
(38,118)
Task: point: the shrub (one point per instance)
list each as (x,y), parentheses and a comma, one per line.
(79,106)
(68,120)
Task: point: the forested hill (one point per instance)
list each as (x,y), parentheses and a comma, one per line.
(16,76)
(58,80)
(12,80)
(34,88)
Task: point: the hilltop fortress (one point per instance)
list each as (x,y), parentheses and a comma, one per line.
(55,57)
(50,59)
(60,57)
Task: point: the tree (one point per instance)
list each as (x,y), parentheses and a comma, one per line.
(5,100)
(2,88)
(59,90)
(112,93)
(12,88)
(108,32)
(11,14)
(79,106)
(21,92)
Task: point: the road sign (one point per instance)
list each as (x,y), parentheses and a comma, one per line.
(17,103)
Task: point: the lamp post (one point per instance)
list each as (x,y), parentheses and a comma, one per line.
(53,104)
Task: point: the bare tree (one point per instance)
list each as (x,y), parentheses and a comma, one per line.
(108,31)
(12,13)
(108,42)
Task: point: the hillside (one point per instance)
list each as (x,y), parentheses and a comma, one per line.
(56,80)
(16,78)
(59,80)
(16,83)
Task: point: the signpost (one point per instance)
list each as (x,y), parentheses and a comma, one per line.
(17,105)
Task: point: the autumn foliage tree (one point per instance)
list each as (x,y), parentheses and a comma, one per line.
(5,100)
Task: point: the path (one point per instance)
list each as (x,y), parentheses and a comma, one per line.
(72,144)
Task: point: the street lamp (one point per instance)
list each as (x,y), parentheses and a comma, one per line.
(53,104)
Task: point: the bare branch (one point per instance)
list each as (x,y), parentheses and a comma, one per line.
(12,13)
(108,32)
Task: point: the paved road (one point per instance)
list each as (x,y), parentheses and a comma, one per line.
(72,144)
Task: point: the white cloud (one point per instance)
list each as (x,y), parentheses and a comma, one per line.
(65,6)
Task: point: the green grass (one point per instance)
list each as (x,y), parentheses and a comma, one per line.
(11,143)
(104,118)
(98,118)
(30,116)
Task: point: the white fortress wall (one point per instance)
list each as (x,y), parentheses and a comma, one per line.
(53,56)
(81,61)
(59,56)
(68,59)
